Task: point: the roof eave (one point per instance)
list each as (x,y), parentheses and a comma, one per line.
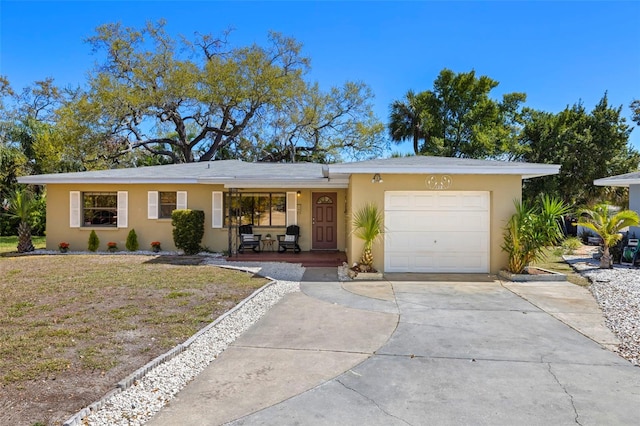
(624,183)
(289,183)
(526,172)
(44,180)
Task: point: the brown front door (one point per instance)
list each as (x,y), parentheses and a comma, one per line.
(324,220)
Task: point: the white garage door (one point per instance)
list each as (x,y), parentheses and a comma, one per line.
(429,231)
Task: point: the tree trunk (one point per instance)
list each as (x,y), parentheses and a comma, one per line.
(24,238)
(605,260)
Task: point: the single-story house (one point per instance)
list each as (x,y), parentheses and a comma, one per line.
(627,180)
(440,214)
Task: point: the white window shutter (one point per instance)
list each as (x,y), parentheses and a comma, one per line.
(292,208)
(216,209)
(123,208)
(74,209)
(181,200)
(152,205)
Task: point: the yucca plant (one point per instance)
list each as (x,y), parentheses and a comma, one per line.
(368,225)
(530,229)
(607,226)
(20,206)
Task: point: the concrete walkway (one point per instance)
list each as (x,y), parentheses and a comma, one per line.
(450,350)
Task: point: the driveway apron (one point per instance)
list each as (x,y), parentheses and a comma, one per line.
(450,351)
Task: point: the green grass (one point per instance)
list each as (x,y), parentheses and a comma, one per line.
(553,261)
(10,243)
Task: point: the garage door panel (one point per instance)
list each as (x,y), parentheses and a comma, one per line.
(432,231)
(419,221)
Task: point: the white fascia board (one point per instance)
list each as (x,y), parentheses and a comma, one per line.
(616,182)
(526,171)
(44,180)
(293,183)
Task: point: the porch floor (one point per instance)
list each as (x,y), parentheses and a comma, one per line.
(306,258)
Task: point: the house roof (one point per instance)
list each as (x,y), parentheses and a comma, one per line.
(625,180)
(230,173)
(239,174)
(446,165)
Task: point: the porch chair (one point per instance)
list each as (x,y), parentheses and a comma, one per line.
(248,239)
(289,240)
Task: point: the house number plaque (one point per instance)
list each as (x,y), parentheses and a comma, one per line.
(438,182)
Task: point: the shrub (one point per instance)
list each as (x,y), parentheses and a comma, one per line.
(38,219)
(94,241)
(188,229)
(571,244)
(132,241)
(530,230)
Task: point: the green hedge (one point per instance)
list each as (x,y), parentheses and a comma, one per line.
(188,229)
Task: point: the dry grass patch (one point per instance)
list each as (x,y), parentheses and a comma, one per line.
(72,326)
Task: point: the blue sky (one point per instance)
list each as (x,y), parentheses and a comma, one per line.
(558,53)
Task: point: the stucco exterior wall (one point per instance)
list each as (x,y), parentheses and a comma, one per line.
(199,197)
(634,204)
(503,190)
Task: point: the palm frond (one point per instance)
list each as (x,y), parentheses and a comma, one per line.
(368,224)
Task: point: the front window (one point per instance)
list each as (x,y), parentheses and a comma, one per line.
(258,209)
(168,203)
(100,208)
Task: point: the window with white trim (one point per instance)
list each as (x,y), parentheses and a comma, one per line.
(168,202)
(100,209)
(161,204)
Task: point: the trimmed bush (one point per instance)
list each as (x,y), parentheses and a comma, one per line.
(188,229)
(132,241)
(94,241)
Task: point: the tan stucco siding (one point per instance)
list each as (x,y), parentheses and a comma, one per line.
(199,197)
(503,190)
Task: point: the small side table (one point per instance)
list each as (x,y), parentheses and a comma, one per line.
(267,242)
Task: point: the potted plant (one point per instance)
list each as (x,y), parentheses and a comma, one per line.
(368,225)
(155,246)
(112,247)
(607,227)
(530,230)
(63,247)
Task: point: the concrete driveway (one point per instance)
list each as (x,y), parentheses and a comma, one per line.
(452,350)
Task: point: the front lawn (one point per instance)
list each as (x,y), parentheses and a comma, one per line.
(71,326)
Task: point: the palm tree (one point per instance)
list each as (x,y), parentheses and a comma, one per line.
(20,206)
(368,225)
(405,121)
(530,230)
(607,226)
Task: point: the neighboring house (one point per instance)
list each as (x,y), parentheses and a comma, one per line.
(627,180)
(441,214)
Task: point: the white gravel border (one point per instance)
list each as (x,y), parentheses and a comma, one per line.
(617,291)
(141,395)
